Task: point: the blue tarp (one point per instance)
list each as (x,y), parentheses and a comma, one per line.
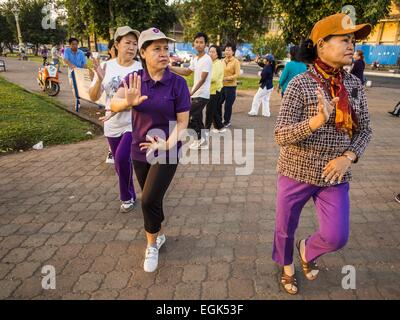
(384,54)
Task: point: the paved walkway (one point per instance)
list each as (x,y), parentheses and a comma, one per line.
(59,206)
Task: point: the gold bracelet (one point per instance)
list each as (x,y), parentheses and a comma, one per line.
(348,157)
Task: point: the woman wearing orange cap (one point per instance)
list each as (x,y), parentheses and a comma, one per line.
(323,128)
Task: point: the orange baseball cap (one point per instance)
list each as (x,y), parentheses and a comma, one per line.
(336,25)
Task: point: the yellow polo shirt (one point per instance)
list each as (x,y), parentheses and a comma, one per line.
(217,76)
(231,72)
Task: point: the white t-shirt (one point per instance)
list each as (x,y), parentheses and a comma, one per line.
(121,122)
(204,64)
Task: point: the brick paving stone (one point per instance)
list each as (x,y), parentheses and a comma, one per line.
(43,253)
(89,282)
(116,280)
(7,287)
(213,290)
(23,270)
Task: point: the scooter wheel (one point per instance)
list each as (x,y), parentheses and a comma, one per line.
(54,90)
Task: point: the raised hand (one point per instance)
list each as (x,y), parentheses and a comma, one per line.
(325,107)
(100,71)
(133,92)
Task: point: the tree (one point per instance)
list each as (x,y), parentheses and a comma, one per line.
(102,17)
(297,18)
(270,44)
(30,20)
(6,34)
(232,21)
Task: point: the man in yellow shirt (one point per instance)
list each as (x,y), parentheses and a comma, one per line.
(231,74)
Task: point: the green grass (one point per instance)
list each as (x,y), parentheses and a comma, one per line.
(26,119)
(244,83)
(39,59)
(31,57)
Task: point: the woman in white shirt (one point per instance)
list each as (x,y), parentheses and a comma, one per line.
(118,126)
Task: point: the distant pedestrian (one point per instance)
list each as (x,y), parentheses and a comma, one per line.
(358,65)
(44,54)
(55,56)
(292,69)
(201,66)
(213,112)
(264,92)
(231,75)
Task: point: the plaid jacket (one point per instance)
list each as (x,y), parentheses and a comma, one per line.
(304,154)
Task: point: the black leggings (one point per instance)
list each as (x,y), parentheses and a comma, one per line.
(154,181)
(213,112)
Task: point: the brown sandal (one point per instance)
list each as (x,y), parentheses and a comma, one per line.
(285,280)
(307,267)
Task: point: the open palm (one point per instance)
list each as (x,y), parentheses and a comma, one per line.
(325,107)
(133,91)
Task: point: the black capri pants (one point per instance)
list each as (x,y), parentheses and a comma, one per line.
(154,179)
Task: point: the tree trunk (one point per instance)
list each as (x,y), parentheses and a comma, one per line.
(95,42)
(88,41)
(112,19)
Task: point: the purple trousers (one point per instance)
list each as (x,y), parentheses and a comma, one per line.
(333,208)
(121,151)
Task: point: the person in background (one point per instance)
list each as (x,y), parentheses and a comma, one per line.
(45,54)
(358,65)
(112,54)
(55,56)
(201,66)
(74,57)
(264,92)
(213,114)
(118,126)
(231,75)
(292,69)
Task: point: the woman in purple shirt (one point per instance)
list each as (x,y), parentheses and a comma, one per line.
(160,102)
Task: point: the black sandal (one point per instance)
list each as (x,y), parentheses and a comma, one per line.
(286,279)
(307,267)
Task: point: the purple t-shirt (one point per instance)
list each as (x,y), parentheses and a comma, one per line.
(156,116)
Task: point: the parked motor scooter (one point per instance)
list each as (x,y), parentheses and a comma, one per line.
(48,79)
(375,65)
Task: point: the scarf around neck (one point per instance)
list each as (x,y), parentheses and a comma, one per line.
(346,119)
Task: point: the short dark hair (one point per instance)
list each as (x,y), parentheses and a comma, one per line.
(110,46)
(294,51)
(201,35)
(230,45)
(144,47)
(218,49)
(72,40)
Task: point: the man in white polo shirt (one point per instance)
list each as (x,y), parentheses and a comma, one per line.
(201,66)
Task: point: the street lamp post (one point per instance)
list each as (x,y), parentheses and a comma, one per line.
(15,10)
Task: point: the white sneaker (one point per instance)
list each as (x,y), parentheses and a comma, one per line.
(266,115)
(199,144)
(127,206)
(151,259)
(223,130)
(160,241)
(252,114)
(110,159)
